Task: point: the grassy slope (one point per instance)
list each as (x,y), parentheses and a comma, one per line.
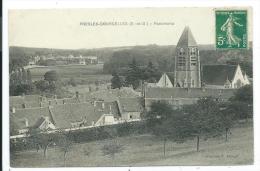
(148,150)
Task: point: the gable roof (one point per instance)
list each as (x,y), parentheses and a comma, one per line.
(32,115)
(111,94)
(103,107)
(131,104)
(218,74)
(171,76)
(64,115)
(39,122)
(186,38)
(23,99)
(164,81)
(63,101)
(166,93)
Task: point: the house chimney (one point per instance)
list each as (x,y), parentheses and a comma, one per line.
(103,105)
(13,110)
(110,109)
(63,101)
(26,122)
(95,103)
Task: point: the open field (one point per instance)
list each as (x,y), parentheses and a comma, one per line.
(144,150)
(90,73)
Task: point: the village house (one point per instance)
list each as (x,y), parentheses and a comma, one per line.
(64,116)
(21,120)
(33,60)
(130,108)
(73,113)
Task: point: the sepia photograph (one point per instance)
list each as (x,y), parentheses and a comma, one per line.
(137,87)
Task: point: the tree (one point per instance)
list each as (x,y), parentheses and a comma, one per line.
(23,76)
(51,76)
(65,144)
(41,85)
(240,110)
(29,76)
(168,124)
(241,104)
(205,119)
(40,140)
(116,81)
(134,75)
(17,61)
(155,121)
(19,89)
(227,117)
(151,73)
(244,94)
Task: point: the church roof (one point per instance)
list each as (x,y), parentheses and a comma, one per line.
(186,38)
(218,74)
(166,93)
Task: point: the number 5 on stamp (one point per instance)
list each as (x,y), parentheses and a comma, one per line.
(231,29)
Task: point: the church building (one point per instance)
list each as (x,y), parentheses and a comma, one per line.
(192,81)
(187,61)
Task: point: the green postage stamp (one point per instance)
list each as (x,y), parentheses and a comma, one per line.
(231,29)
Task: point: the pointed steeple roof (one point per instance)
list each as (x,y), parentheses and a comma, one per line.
(187,38)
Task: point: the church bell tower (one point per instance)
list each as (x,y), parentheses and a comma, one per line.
(187,62)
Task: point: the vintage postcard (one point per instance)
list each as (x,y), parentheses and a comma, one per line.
(131,87)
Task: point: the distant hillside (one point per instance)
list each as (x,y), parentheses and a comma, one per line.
(163,57)
(116,58)
(102,53)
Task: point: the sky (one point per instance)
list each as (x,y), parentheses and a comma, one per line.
(63,28)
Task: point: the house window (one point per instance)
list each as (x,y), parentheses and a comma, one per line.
(131,116)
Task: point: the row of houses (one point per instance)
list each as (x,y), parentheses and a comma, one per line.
(79,112)
(70,113)
(70,59)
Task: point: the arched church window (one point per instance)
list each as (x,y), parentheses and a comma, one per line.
(193,51)
(182,51)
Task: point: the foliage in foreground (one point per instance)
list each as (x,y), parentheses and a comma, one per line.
(209,117)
